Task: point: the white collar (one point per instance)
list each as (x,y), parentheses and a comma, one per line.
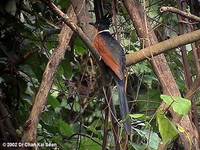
(103,31)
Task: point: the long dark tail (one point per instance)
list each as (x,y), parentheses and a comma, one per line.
(124,110)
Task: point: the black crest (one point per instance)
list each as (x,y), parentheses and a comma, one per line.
(103,24)
(103,13)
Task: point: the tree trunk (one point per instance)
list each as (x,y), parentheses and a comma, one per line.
(30,131)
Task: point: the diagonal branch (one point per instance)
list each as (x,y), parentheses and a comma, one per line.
(162,47)
(74,27)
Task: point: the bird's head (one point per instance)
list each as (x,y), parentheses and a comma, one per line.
(104,23)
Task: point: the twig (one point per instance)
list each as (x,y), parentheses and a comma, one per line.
(85,135)
(194,88)
(115,123)
(179,12)
(110,108)
(105,132)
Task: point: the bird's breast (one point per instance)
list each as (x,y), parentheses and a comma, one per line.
(110,51)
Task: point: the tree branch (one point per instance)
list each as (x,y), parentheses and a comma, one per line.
(162,47)
(179,12)
(74,27)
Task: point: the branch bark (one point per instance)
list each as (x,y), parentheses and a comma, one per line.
(179,12)
(162,47)
(40,101)
(74,27)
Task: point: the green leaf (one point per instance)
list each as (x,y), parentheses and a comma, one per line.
(134,36)
(63,3)
(88,144)
(65,128)
(167,129)
(152,138)
(57,139)
(53,101)
(180,105)
(135,116)
(67,68)
(37,63)
(139,116)
(64,104)
(94,126)
(138,147)
(79,47)
(154,96)
(67,146)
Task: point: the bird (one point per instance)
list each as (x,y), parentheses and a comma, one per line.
(113,55)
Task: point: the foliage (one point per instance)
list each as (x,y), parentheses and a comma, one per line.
(180,105)
(167,129)
(74,116)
